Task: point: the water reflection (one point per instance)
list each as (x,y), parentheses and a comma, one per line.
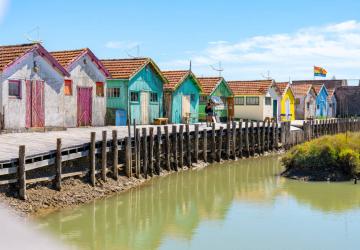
(174,206)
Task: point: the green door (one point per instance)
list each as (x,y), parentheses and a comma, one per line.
(275,108)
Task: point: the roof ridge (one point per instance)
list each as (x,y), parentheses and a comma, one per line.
(69,50)
(123,59)
(19,45)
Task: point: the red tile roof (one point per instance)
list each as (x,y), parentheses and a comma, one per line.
(125,68)
(176,77)
(209,84)
(328,83)
(11,53)
(282,87)
(317,87)
(68,57)
(301,89)
(256,87)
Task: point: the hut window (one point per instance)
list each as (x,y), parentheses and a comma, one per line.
(252,100)
(100,89)
(297,101)
(68,87)
(15,88)
(308,105)
(239,100)
(134,96)
(203,99)
(113,92)
(192,98)
(268,101)
(153,97)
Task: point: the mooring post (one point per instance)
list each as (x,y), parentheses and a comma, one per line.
(138,149)
(103,156)
(227,145)
(196,143)
(220,143)
(22,173)
(252,138)
(247,146)
(205,145)
(151,151)
(167,148)
(273,136)
(92,158)
(135,146)
(268,136)
(263,133)
(258,137)
(213,143)
(145,152)
(115,155)
(181,146)
(240,154)
(277,136)
(188,146)
(58,159)
(174,138)
(158,151)
(233,139)
(128,161)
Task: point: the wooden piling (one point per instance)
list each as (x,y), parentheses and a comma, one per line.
(220,143)
(115,155)
(145,152)
(258,137)
(227,145)
(233,140)
(151,151)
(181,146)
(213,143)
(205,145)
(263,133)
(22,173)
(240,153)
(174,140)
(58,160)
(188,146)
(268,136)
(252,137)
(277,136)
(138,150)
(92,158)
(128,162)
(273,136)
(167,149)
(196,143)
(247,146)
(103,156)
(158,151)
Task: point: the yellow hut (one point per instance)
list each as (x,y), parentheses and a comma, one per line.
(287,107)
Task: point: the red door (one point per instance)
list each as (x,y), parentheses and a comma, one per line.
(84,106)
(35,108)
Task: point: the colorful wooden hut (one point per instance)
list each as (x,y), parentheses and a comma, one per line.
(331,102)
(84,90)
(305,101)
(287,101)
(31,87)
(254,100)
(321,100)
(216,88)
(181,96)
(135,90)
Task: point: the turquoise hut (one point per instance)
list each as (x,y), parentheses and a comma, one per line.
(135,90)
(321,100)
(181,96)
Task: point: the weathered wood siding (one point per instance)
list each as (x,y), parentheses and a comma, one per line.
(14,109)
(332,105)
(146,81)
(301,110)
(85,75)
(188,87)
(115,103)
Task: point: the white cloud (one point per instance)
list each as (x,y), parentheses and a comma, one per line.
(335,47)
(121,44)
(3,7)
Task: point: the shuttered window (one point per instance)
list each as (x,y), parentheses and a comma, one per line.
(68,87)
(100,89)
(15,88)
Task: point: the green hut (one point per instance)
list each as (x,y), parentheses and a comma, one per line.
(135,90)
(181,96)
(216,88)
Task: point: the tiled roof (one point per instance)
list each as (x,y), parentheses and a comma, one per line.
(174,77)
(301,89)
(317,87)
(209,84)
(124,68)
(256,87)
(11,53)
(327,83)
(282,87)
(66,57)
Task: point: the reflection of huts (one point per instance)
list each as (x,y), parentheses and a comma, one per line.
(135,88)
(348,101)
(84,90)
(31,87)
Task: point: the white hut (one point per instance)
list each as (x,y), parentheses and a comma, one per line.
(84,90)
(31,88)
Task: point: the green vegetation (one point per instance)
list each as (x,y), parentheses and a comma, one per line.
(334,158)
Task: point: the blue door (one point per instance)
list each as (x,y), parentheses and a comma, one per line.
(120,117)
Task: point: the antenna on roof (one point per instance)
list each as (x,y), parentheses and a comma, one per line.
(220,69)
(137,47)
(267,77)
(28,37)
(190,66)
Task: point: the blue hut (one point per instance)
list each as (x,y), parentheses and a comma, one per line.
(181,96)
(135,90)
(321,100)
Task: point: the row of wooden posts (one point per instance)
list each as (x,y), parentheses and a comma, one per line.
(148,153)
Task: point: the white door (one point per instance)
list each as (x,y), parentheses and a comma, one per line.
(185,106)
(287,104)
(144,100)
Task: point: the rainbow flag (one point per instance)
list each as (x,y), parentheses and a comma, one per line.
(318,71)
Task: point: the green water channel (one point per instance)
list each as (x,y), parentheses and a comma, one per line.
(241,205)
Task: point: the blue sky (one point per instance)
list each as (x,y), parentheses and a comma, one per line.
(249,37)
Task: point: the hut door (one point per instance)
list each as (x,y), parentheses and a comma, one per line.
(144,100)
(230,103)
(185,110)
(287,111)
(84,106)
(35,108)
